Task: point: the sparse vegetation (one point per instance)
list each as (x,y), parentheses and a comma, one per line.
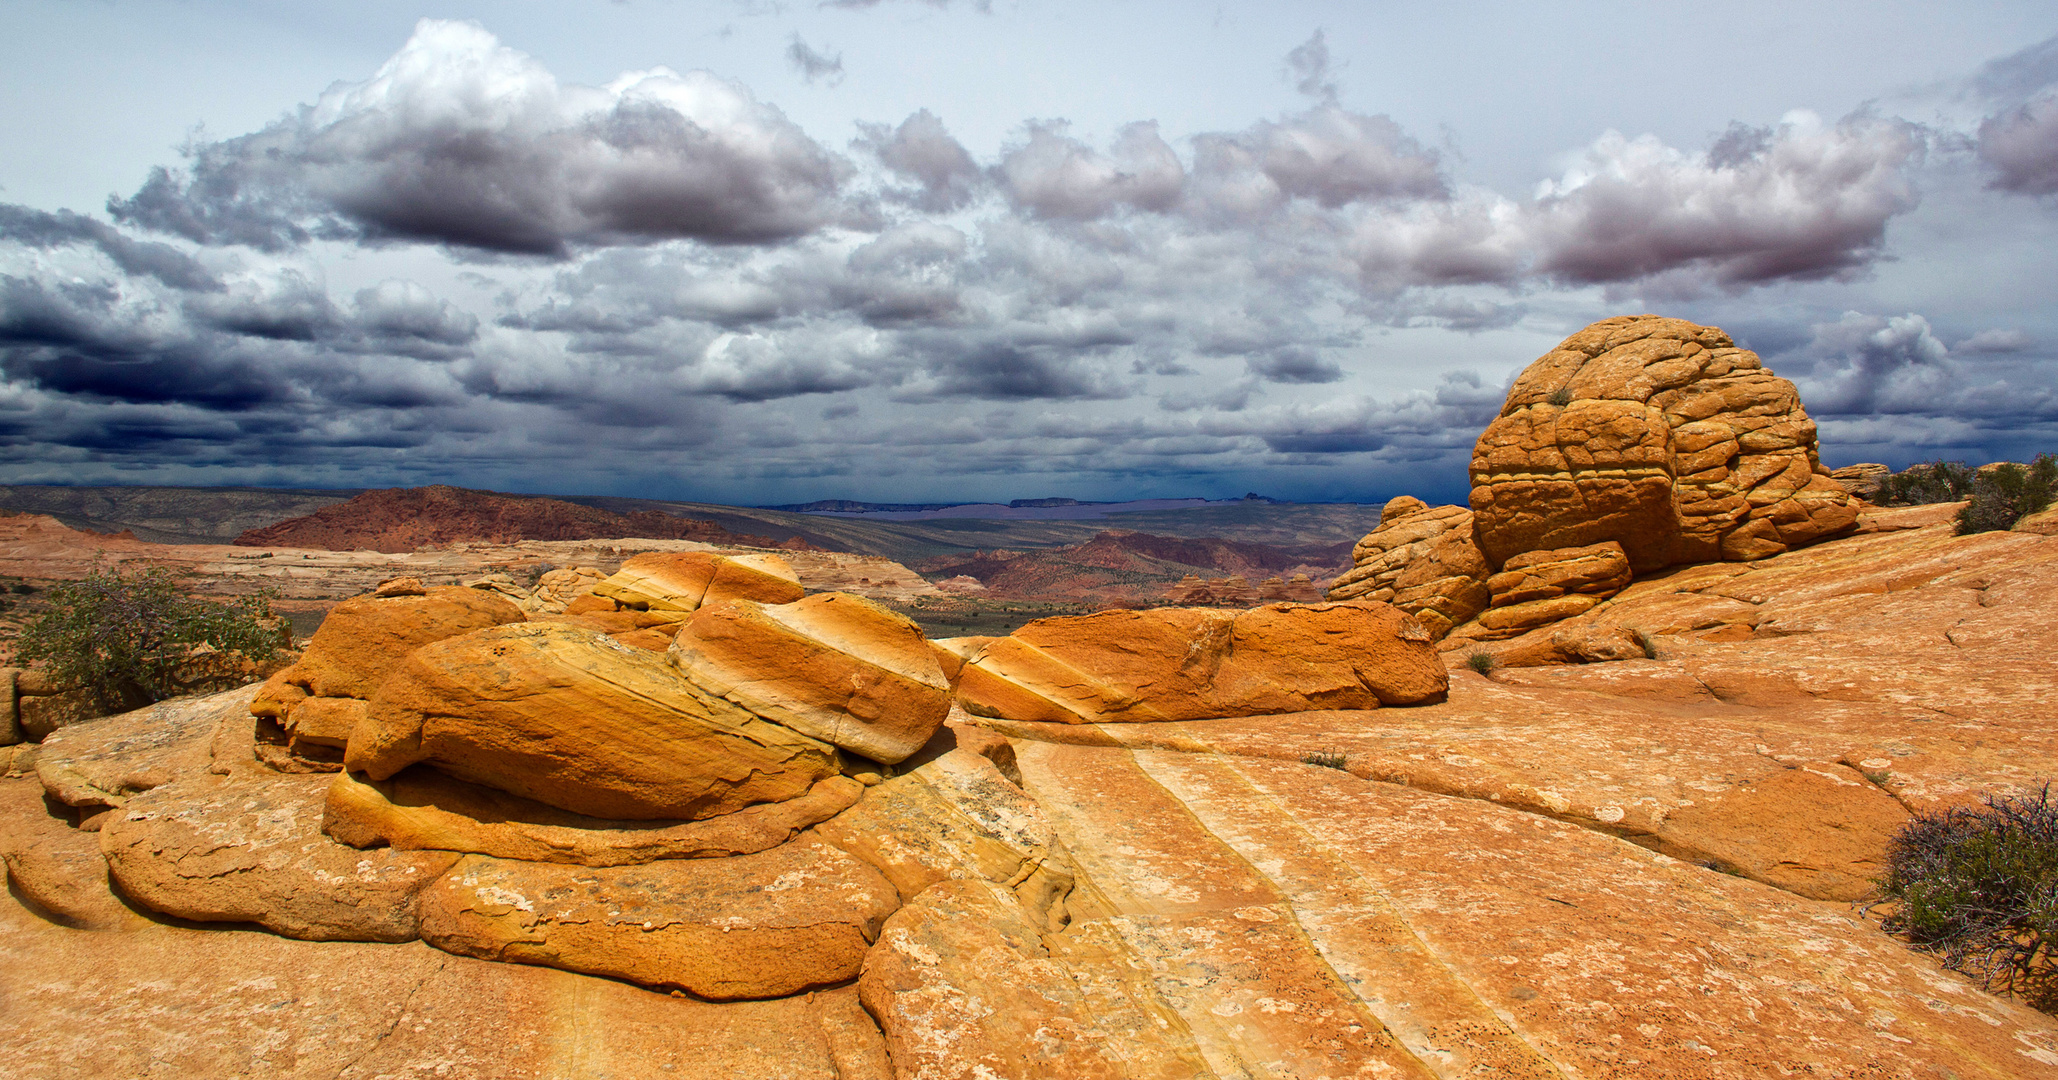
(1328,759)
(1561,397)
(128,638)
(1646,639)
(2003,494)
(1929,482)
(1979,887)
(1481,662)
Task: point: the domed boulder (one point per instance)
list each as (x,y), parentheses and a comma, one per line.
(1658,434)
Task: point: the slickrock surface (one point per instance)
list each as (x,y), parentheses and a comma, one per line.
(838,667)
(1658,434)
(249,848)
(158,1000)
(1190,663)
(572,719)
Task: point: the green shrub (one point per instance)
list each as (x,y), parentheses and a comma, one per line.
(1328,759)
(2004,494)
(1929,482)
(1561,397)
(128,637)
(1979,887)
(1481,662)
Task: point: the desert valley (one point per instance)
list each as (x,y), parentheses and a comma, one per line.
(1595,775)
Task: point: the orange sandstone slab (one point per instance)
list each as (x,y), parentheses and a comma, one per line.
(576,720)
(1190,663)
(767,925)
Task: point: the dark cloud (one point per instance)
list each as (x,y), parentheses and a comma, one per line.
(1053,175)
(814,65)
(1874,364)
(1295,364)
(459,140)
(39,229)
(2020,145)
(921,150)
(1802,201)
(1328,155)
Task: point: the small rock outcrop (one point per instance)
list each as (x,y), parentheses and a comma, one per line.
(837,667)
(1422,560)
(1862,480)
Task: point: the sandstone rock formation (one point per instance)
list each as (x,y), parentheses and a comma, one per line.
(1863,480)
(1540,587)
(1660,435)
(840,668)
(765,925)
(572,719)
(1189,663)
(1605,869)
(1422,560)
(423,809)
(683,581)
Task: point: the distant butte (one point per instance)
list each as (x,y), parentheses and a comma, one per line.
(398,520)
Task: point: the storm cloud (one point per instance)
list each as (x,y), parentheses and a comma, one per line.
(462,141)
(665,281)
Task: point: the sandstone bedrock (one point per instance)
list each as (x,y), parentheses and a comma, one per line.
(688,819)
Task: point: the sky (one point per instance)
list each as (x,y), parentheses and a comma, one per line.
(931,250)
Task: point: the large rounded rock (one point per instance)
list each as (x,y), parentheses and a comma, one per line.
(838,667)
(1196,663)
(573,719)
(1660,435)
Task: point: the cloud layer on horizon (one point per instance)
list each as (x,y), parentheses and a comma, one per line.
(689,290)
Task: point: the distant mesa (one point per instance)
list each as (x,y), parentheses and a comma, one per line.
(399,520)
(850,506)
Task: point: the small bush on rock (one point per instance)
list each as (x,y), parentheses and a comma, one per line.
(1481,662)
(2004,494)
(1979,887)
(1929,482)
(129,638)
